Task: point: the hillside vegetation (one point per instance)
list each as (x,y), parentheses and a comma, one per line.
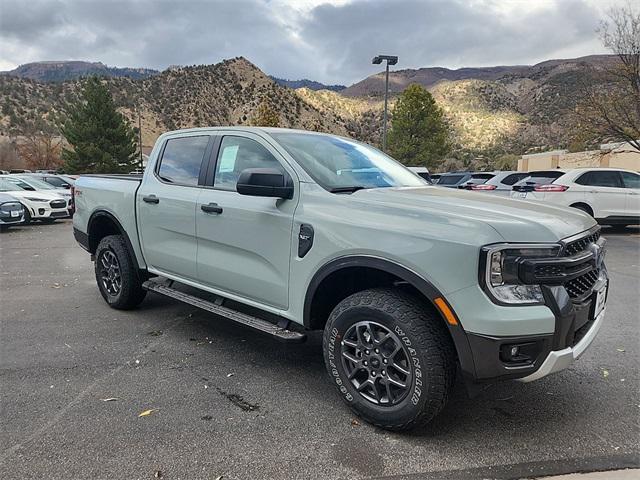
(491,111)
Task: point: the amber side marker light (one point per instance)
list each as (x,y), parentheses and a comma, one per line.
(445,311)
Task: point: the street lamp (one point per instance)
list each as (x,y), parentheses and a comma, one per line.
(391,60)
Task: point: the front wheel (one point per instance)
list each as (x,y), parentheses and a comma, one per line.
(391,358)
(117,275)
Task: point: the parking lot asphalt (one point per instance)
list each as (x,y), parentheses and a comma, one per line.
(225,402)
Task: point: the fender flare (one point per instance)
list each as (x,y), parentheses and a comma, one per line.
(426,288)
(105,214)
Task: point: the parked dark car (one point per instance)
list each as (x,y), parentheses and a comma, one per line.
(11,211)
(463,179)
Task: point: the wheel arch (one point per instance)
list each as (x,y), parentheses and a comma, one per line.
(331,278)
(584,207)
(103,223)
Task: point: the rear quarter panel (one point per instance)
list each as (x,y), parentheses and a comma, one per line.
(115,196)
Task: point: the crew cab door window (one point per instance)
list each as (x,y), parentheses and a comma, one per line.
(181,160)
(237,154)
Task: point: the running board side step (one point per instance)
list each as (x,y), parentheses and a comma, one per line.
(282,334)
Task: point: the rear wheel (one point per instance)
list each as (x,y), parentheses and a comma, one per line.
(391,358)
(117,275)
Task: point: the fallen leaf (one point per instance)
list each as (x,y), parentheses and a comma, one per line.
(56,285)
(230,374)
(148,412)
(354,423)
(158,474)
(620,349)
(220,477)
(156,333)
(110,399)
(605,373)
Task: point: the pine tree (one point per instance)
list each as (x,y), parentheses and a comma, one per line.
(419,135)
(101,138)
(266,116)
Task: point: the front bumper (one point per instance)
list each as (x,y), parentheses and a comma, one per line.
(570,285)
(560,359)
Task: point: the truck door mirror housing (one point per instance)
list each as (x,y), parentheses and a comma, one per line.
(264,182)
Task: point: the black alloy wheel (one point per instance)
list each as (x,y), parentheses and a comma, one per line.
(377,363)
(110,275)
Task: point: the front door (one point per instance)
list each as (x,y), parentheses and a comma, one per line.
(244,242)
(166,206)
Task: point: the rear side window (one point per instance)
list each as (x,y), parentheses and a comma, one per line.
(600,179)
(513,178)
(182,159)
(237,154)
(482,176)
(450,179)
(631,180)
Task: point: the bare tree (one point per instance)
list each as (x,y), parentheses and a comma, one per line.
(611,106)
(40,150)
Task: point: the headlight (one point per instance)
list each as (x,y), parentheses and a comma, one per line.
(35,199)
(499,266)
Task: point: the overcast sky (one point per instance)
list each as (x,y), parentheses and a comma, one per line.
(330,41)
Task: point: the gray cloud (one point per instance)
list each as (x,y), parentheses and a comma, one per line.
(329,43)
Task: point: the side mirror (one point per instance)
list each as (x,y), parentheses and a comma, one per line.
(264,182)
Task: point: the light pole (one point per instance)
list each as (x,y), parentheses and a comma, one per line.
(391,60)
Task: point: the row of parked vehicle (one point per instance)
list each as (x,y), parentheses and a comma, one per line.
(610,195)
(28,197)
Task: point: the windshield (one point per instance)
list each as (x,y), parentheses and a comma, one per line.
(35,183)
(6,186)
(337,163)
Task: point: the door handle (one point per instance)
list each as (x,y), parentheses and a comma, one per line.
(211,208)
(151,199)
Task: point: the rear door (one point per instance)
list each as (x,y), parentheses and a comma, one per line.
(166,205)
(244,247)
(604,192)
(631,183)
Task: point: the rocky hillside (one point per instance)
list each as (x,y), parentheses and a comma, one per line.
(491,111)
(70,70)
(227,93)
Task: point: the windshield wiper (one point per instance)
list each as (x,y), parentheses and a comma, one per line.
(348,189)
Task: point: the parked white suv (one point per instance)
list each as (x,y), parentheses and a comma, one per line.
(611,196)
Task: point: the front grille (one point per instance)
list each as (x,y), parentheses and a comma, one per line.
(581,244)
(58,203)
(543,271)
(582,285)
(58,214)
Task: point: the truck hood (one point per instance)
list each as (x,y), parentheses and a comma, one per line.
(514,220)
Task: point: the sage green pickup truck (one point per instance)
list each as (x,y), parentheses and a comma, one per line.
(288,231)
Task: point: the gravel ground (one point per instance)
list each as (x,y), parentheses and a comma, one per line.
(228,402)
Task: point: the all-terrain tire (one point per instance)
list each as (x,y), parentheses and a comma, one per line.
(428,345)
(130,293)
